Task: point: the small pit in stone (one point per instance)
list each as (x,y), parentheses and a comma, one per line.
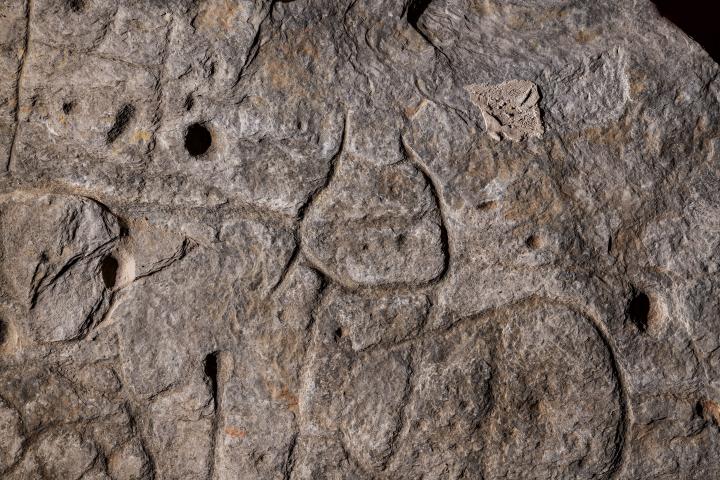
(109,271)
(708,410)
(189,102)
(67,107)
(122,118)
(638,310)
(4,334)
(487,205)
(76,6)
(338,334)
(534,242)
(197,139)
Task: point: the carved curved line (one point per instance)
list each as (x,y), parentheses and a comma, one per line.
(415,11)
(434,183)
(400,431)
(350,457)
(18,86)
(393,287)
(624,423)
(332,170)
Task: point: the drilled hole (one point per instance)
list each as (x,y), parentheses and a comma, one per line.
(639,310)
(197,139)
(67,107)
(534,242)
(109,271)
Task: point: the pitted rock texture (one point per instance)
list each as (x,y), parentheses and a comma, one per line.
(510,110)
(357,239)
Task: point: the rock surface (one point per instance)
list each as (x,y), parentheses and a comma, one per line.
(349,239)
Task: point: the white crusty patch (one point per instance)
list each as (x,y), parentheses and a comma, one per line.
(510,109)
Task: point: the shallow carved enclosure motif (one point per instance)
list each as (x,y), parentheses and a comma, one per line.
(357,239)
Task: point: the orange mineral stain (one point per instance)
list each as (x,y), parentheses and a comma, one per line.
(235,432)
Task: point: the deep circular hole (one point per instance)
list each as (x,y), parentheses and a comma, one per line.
(109,269)
(639,309)
(197,139)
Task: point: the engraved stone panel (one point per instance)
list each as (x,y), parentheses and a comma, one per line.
(358,239)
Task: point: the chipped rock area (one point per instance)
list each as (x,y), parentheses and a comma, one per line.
(357,239)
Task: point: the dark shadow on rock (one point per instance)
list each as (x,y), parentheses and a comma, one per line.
(698,19)
(415,10)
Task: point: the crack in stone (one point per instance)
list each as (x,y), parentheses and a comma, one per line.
(18,85)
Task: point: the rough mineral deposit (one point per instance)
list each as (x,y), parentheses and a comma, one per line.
(357,239)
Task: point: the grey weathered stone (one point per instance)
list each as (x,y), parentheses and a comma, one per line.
(349,239)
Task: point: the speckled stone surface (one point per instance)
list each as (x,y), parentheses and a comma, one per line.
(357,239)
